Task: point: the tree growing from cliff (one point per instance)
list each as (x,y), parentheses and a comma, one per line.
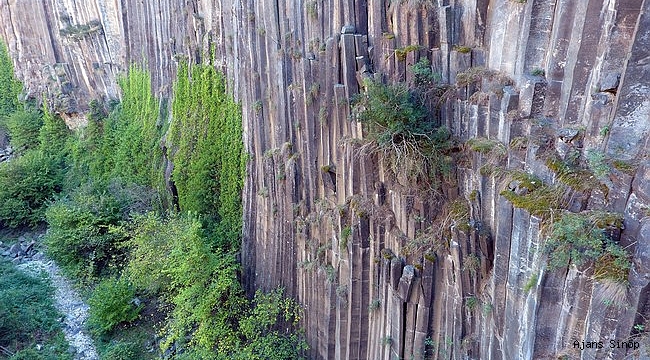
(398,128)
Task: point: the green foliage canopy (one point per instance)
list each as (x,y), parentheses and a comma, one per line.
(10,87)
(209,162)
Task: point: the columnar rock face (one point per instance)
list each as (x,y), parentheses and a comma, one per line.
(331,224)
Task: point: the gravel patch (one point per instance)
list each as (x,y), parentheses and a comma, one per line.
(68,302)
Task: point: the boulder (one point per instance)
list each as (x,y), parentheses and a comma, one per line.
(15,250)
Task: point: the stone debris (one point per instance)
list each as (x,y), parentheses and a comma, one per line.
(28,258)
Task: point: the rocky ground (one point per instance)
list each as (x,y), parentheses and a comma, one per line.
(26,256)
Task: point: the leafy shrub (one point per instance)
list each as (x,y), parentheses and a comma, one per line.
(24,128)
(133,134)
(573,239)
(264,338)
(28,316)
(111,304)
(10,88)
(80,237)
(27,183)
(170,257)
(123,145)
(209,161)
(121,350)
(580,237)
(397,128)
(53,136)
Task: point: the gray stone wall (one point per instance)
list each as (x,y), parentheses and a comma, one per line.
(332,226)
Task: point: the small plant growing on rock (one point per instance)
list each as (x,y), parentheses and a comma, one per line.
(604,131)
(423,74)
(345,235)
(472,264)
(493,149)
(531,283)
(375,304)
(597,163)
(537,72)
(624,166)
(580,237)
(397,127)
(463,49)
(526,191)
(487,309)
(401,53)
(312,9)
(471,302)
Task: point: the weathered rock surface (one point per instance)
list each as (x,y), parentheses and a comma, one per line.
(294,65)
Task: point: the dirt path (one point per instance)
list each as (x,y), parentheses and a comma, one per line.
(69,303)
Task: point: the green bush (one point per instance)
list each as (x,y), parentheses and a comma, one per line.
(80,237)
(125,144)
(397,127)
(209,162)
(28,316)
(134,133)
(170,258)
(580,237)
(121,350)
(24,128)
(573,239)
(10,88)
(264,337)
(27,183)
(54,137)
(111,304)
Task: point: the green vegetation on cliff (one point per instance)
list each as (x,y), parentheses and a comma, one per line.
(152,262)
(209,161)
(10,88)
(399,127)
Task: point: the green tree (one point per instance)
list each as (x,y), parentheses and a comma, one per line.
(23,127)
(10,88)
(27,183)
(209,161)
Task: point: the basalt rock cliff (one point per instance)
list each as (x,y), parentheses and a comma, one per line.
(332,225)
